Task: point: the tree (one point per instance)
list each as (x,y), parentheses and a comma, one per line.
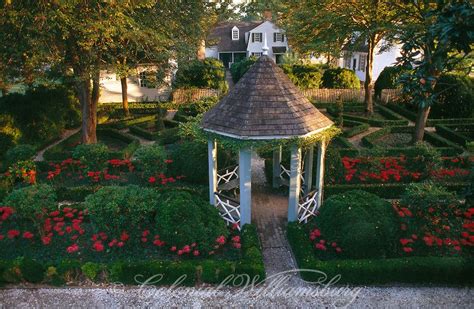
(326,26)
(437,38)
(80,37)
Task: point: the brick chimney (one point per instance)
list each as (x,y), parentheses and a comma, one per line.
(267,14)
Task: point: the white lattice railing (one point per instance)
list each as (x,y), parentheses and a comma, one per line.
(286,174)
(308,206)
(229,209)
(228,178)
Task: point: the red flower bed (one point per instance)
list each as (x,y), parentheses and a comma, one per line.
(400,169)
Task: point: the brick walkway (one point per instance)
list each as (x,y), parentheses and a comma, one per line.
(269,213)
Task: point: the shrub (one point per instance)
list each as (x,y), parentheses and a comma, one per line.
(55,108)
(238,69)
(388,79)
(193,109)
(456,97)
(361,223)
(151,160)
(304,76)
(168,136)
(207,73)
(91,270)
(31,202)
(114,209)
(92,155)
(22,152)
(339,78)
(9,133)
(184,219)
(31,270)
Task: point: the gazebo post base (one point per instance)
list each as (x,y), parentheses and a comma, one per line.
(245,178)
(320,170)
(295,183)
(212,158)
(308,169)
(276,167)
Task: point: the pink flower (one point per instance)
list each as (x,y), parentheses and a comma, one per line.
(407,249)
(73,248)
(237,245)
(338,250)
(196,252)
(236,239)
(173,248)
(220,240)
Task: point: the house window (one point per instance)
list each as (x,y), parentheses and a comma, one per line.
(347,60)
(362,62)
(256,54)
(278,37)
(235,34)
(256,37)
(354,64)
(142,80)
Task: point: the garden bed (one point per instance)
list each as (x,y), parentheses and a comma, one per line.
(382,116)
(417,270)
(120,145)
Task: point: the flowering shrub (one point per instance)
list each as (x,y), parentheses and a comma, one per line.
(91,155)
(399,169)
(361,224)
(22,171)
(434,222)
(186,220)
(151,160)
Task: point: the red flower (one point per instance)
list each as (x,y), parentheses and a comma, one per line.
(407,249)
(73,248)
(1,237)
(27,235)
(465,234)
(338,250)
(320,246)
(124,236)
(173,248)
(168,161)
(98,246)
(54,213)
(152,179)
(196,252)
(236,238)
(220,240)
(120,244)
(237,245)
(13,233)
(46,240)
(186,249)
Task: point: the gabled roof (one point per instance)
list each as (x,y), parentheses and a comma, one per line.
(222,35)
(265,105)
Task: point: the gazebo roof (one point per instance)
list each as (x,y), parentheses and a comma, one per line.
(265,105)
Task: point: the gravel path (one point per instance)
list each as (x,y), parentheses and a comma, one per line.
(355,297)
(65,135)
(357,139)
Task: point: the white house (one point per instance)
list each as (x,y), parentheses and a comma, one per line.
(233,41)
(356,59)
(142,86)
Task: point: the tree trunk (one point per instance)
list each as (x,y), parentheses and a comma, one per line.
(88,99)
(421,118)
(123,82)
(369,104)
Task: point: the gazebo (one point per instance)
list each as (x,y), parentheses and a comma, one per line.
(266,106)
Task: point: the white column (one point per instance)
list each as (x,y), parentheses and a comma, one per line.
(245,178)
(295,183)
(212,159)
(276,166)
(320,170)
(308,169)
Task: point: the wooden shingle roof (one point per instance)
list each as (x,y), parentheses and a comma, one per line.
(264,104)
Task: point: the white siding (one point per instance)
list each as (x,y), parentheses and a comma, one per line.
(269,28)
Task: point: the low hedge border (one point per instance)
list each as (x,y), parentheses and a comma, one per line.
(332,104)
(138,131)
(122,124)
(212,271)
(430,270)
(410,115)
(393,119)
(448,132)
(356,128)
(444,146)
(385,190)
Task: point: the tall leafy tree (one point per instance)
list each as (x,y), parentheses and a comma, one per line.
(80,37)
(437,37)
(325,26)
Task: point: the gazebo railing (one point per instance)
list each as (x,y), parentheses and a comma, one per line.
(228,178)
(285,176)
(308,206)
(229,209)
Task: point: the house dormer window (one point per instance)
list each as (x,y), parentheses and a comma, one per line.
(235,34)
(278,37)
(256,37)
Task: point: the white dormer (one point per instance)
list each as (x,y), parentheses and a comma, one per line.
(235,33)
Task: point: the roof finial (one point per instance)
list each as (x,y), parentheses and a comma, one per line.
(265,46)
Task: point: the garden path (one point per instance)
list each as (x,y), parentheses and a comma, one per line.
(228,78)
(269,213)
(65,135)
(357,139)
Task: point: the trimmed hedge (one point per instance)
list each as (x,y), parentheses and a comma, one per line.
(410,115)
(444,146)
(432,270)
(138,131)
(122,124)
(385,190)
(450,132)
(356,128)
(134,107)
(194,271)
